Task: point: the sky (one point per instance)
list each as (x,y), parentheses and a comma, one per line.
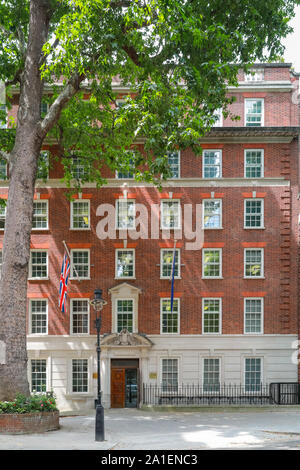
(292,42)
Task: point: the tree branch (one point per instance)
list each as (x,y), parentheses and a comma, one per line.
(5,31)
(64,97)
(131,52)
(5,156)
(16,79)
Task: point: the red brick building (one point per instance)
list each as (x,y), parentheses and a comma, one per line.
(235,311)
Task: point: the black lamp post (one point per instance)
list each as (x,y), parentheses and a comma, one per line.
(98,303)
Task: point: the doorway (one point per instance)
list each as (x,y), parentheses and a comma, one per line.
(124,383)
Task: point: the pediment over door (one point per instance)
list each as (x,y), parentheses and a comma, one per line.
(126,339)
(124,289)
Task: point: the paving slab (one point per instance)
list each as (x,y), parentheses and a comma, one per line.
(172,429)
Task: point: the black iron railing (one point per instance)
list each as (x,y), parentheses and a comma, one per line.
(285,393)
(197,394)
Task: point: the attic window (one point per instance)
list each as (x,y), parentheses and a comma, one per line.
(255,75)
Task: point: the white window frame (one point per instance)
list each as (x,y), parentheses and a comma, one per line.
(76,201)
(177,300)
(78,169)
(31,313)
(88,391)
(1,262)
(261,332)
(118,202)
(262,263)
(220,316)
(72,314)
(117,251)
(75,277)
(117,312)
(178,262)
(30,265)
(219,113)
(261,371)
(179,214)
(161,372)
(262,111)
(47,372)
(179,164)
(203,370)
(220,258)
(203,213)
(262,163)
(254,75)
(3,217)
(43,201)
(204,166)
(46,104)
(262,225)
(47,154)
(127,176)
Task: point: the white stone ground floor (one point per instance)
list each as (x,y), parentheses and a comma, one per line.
(67,365)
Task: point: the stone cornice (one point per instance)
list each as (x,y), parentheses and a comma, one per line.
(252,134)
(178,183)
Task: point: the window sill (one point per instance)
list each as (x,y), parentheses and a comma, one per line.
(34,335)
(213,228)
(38,279)
(80,229)
(79,278)
(82,335)
(253,277)
(212,333)
(253,334)
(170,334)
(127,278)
(215,179)
(212,277)
(168,278)
(254,228)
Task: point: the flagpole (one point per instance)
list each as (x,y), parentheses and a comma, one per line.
(68,253)
(173,275)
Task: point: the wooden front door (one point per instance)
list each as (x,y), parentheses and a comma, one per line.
(117,388)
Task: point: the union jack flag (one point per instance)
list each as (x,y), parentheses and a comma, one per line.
(63,285)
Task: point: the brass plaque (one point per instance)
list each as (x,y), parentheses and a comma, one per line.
(153,375)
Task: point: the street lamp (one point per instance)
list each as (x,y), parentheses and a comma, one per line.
(98,303)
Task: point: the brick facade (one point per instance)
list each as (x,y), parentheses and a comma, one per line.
(28,423)
(278,238)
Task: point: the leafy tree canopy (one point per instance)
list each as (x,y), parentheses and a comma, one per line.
(172,60)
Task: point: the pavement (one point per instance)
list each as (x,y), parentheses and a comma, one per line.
(171,429)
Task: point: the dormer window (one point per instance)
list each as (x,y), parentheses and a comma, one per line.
(255,75)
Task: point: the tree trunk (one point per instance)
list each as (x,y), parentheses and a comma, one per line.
(13,290)
(16,245)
